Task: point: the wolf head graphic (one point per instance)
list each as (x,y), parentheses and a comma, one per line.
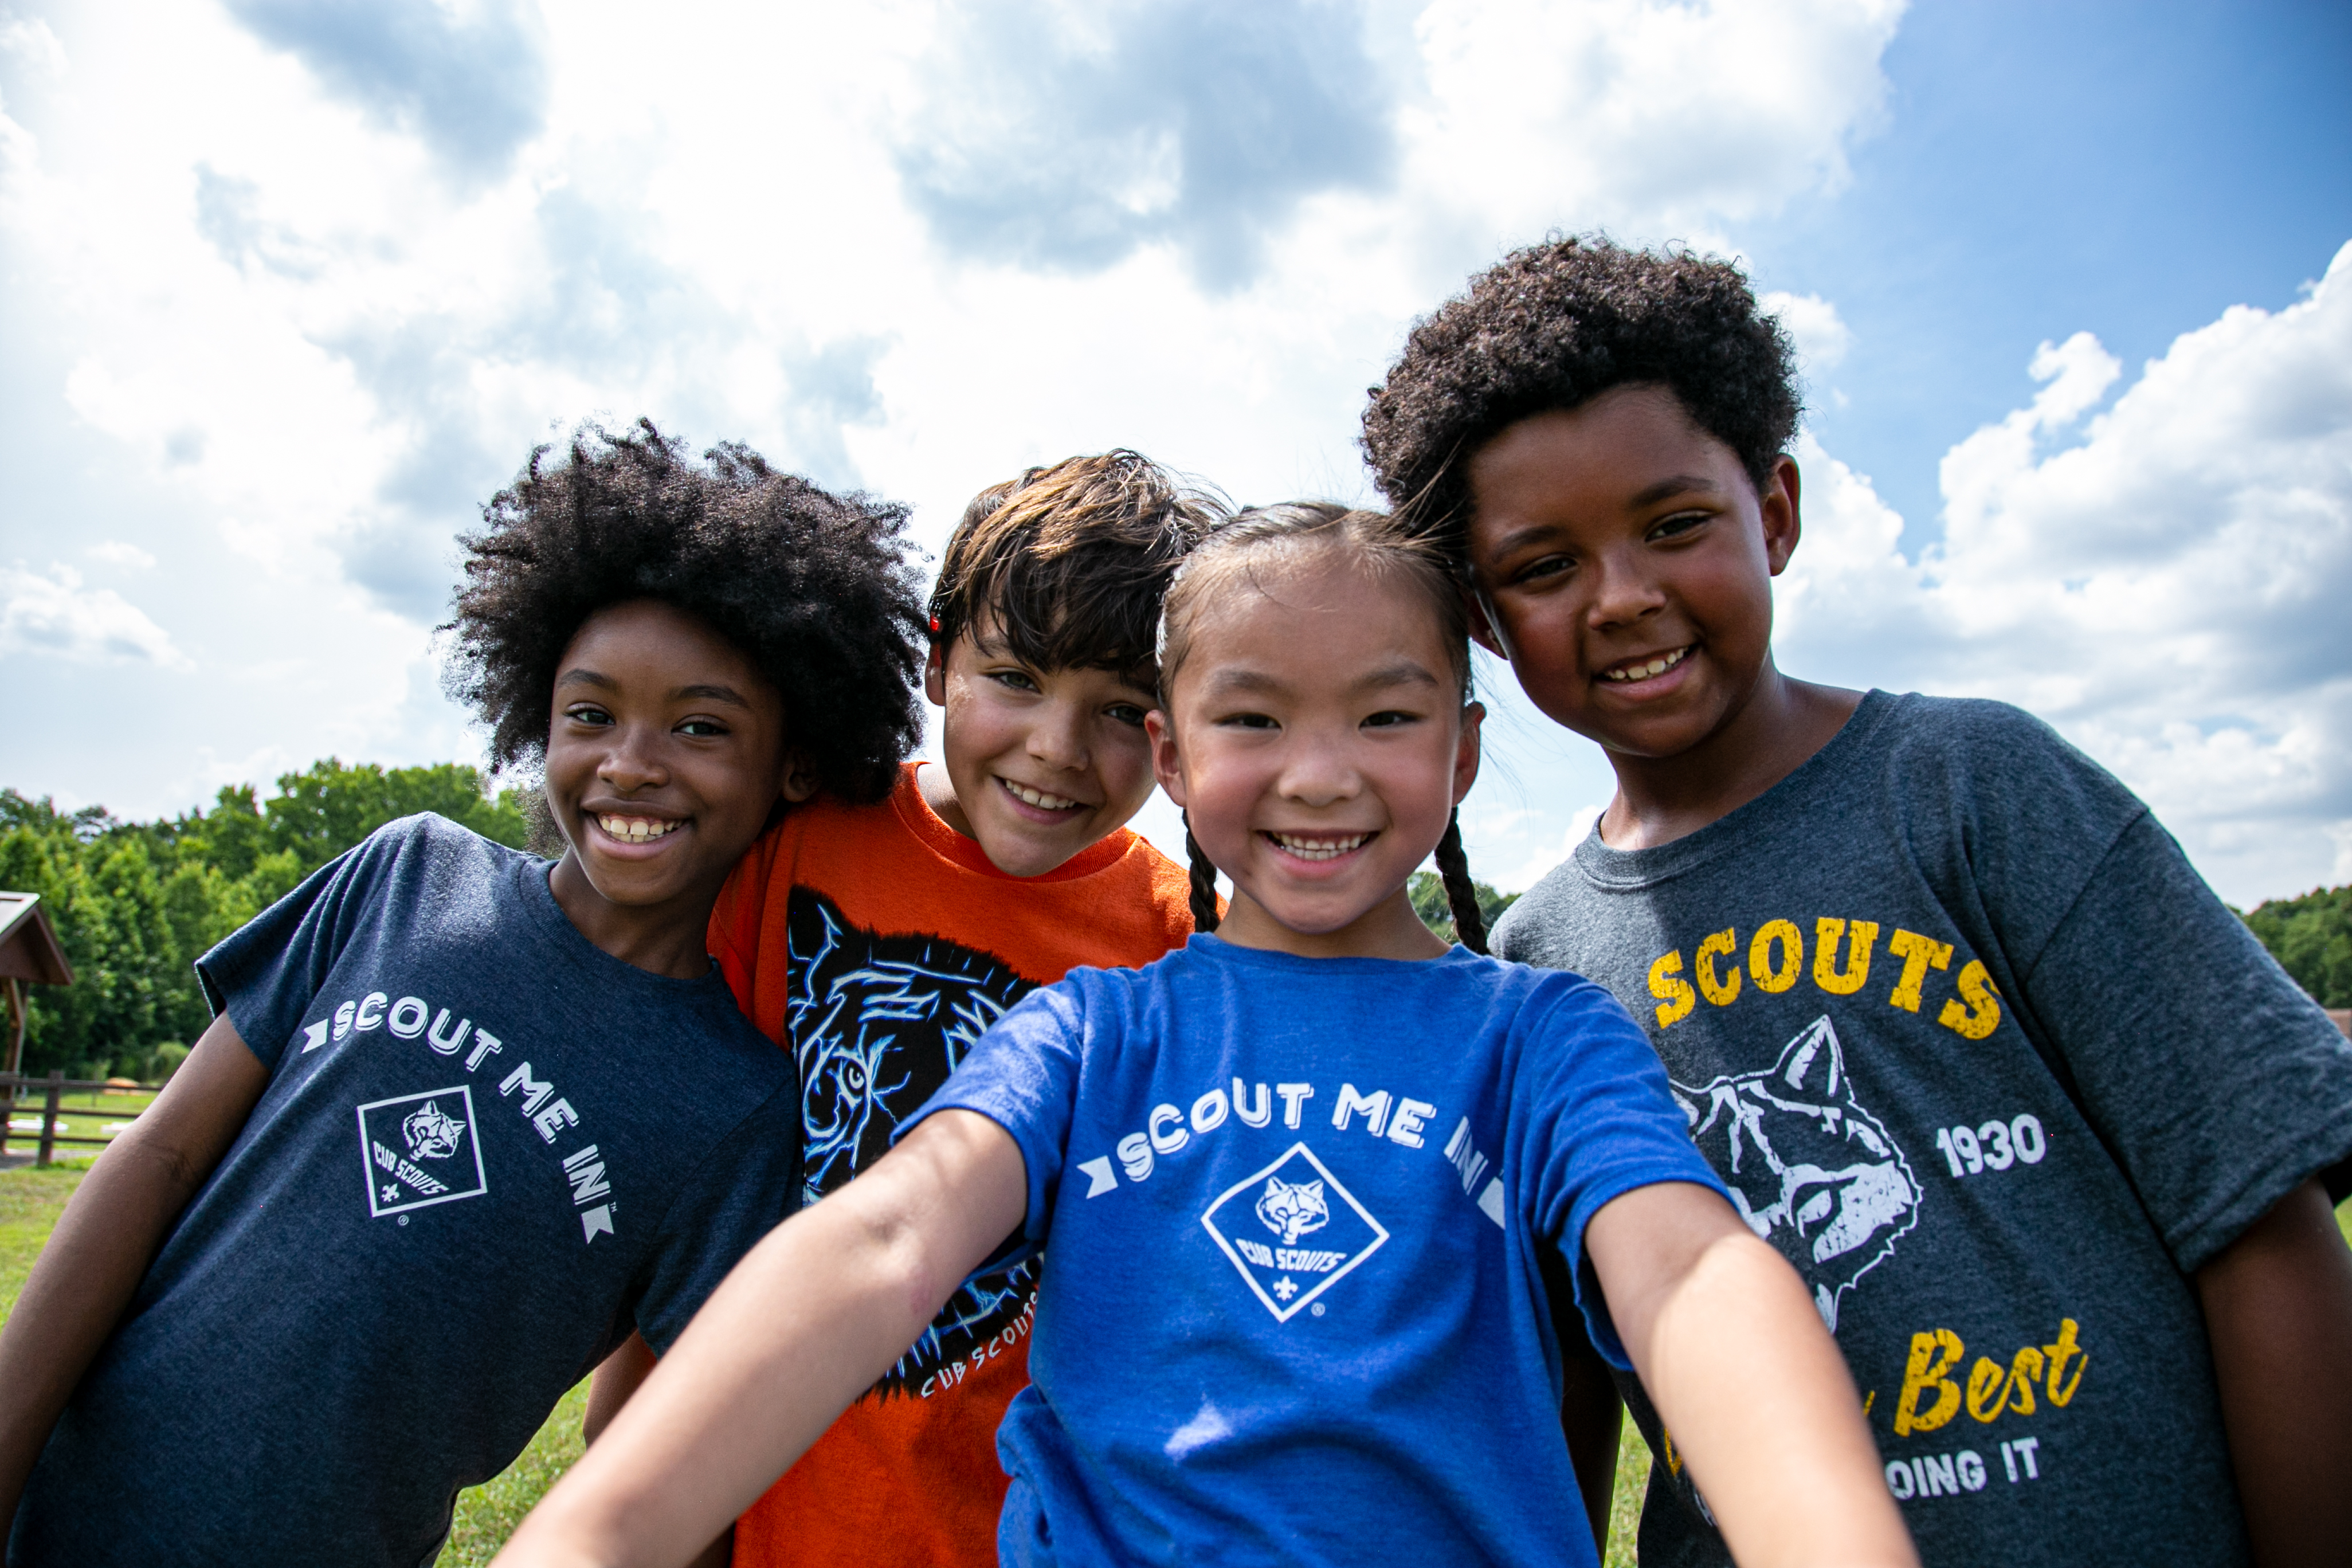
(1810,1168)
(430,1135)
(1291,1209)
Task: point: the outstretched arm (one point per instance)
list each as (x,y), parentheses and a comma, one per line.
(110,1233)
(2278,1313)
(1752,1386)
(621,1375)
(802,1326)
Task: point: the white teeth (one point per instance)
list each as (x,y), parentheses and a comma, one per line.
(635,829)
(1657,666)
(1318,848)
(1038,796)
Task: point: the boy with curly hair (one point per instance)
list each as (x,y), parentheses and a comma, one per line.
(876,942)
(465,1119)
(2049,1135)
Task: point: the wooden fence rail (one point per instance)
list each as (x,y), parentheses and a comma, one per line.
(14,1086)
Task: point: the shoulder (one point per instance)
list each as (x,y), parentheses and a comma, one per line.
(1160,885)
(1554,905)
(432,840)
(1976,738)
(776,862)
(2000,783)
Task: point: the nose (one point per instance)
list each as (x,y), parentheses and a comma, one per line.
(633,760)
(1057,736)
(1318,770)
(1621,591)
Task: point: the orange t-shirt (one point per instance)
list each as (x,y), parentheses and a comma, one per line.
(877,944)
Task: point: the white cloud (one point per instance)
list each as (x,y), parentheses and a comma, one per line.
(1663,119)
(57,616)
(1814,326)
(115,553)
(326,306)
(2164,581)
(30,40)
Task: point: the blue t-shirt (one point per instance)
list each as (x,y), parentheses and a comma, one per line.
(1298,1209)
(487,1150)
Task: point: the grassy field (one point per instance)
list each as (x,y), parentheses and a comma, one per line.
(30,1201)
(86,1115)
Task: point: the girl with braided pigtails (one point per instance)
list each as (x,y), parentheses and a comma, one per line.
(1302,1179)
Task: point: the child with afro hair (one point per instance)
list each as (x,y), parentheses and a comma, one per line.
(256,1339)
(2048,1134)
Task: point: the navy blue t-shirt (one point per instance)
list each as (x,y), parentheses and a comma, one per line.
(1298,1209)
(487,1150)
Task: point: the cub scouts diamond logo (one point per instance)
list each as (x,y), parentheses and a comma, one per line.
(420,1150)
(1292,1230)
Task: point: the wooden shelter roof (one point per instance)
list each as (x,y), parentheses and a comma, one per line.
(28,943)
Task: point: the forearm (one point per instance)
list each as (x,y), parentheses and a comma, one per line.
(1592,1417)
(78,1286)
(108,1235)
(1760,1402)
(621,1375)
(1740,1365)
(805,1325)
(2278,1314)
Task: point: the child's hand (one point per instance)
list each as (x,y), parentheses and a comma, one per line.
(804,1325)
(1752,1386)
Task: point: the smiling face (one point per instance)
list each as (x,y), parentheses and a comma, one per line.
(1317,737)
(665,752)
(1624,563)
(1039,764)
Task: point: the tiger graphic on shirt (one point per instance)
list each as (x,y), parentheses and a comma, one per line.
(880,1020)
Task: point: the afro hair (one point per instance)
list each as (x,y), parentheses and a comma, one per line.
(813,587)
(1554,326)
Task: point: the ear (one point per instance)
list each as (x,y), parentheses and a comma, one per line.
(799,782)
(1778,502)
(935,674)
(1166,765)
(1485,626)
(1465,752)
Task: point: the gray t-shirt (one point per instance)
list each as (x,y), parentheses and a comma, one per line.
(487,1150)
(1971,1043)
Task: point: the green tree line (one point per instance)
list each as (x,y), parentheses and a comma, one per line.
(136,903)
(2312,939)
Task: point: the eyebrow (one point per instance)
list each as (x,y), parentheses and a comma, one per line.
(1649,495)
(1402,672)
(709,693)
(1673,484)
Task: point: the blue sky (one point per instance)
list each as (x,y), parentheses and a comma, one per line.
(2043,171)
(292,287)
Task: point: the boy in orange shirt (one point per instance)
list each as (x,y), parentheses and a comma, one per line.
(876,942)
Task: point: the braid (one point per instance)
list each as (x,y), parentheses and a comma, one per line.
(1204,882)
(1469,925)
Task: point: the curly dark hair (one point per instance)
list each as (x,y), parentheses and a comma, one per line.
(813,587)
(1555,325)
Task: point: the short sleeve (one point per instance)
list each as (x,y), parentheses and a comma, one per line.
(1593,1118)
(746,1185)
(2216,1083)
(1023,1075)
(264,975)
